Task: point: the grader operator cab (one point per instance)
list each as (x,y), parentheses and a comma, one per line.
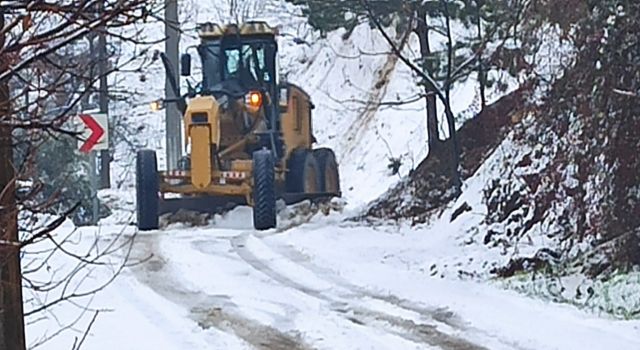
(248,138)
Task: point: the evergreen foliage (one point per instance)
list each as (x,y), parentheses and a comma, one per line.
(62,180)
(327,16)
(55,175)
(491,20)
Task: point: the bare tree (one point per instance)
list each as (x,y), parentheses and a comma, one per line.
(441,92)
(39,92)
(238,11)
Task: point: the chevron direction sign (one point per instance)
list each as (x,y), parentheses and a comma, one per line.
(95,132)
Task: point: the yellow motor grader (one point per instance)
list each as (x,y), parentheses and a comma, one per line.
(248,136)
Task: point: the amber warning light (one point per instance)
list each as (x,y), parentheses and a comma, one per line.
(254,99)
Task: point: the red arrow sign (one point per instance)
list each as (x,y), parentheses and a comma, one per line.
(96,133)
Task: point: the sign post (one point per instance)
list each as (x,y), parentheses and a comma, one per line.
(93,176)
(95,134)
(103,62)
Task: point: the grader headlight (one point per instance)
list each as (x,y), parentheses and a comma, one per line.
(156,106)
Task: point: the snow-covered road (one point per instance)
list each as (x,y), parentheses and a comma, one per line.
(275,298)
(326,284)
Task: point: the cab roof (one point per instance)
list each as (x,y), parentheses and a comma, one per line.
(211,30)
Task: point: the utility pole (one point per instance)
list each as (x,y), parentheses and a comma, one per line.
(105,156)
(173,118)
(11,309)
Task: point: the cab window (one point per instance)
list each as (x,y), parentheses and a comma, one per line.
(233,62)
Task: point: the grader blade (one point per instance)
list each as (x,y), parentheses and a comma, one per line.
(293,198)
(200,204)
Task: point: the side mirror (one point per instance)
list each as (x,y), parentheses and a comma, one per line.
(185,65)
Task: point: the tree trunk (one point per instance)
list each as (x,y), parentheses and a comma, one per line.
(11,313)
(482,76)
(455,149)
(422,30)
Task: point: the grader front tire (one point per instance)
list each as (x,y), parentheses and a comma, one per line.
(147,189)
(264,191)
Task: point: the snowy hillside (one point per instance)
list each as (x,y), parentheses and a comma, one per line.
(347,79)
(321,280)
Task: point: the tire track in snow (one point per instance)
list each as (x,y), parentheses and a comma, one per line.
(438,315)
(441,315)
(260,336)
(411,330)
(341,301)
(209,311)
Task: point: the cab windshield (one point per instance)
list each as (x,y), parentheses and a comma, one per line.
(251,64)
(248,62)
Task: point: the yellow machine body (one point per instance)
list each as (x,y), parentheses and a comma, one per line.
(217,140)
(296,121)
(204,124)
(202,129)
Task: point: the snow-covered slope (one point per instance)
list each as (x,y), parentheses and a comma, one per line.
(348,79)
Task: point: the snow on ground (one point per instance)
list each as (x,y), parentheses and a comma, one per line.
(323,284)
(390,260)
(326,284)
(130,314)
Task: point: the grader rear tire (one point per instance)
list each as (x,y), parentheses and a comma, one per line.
(147,189)
(328,170)
(264,191)
(303,175)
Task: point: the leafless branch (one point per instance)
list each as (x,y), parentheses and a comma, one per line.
(626,93)
(77,346)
